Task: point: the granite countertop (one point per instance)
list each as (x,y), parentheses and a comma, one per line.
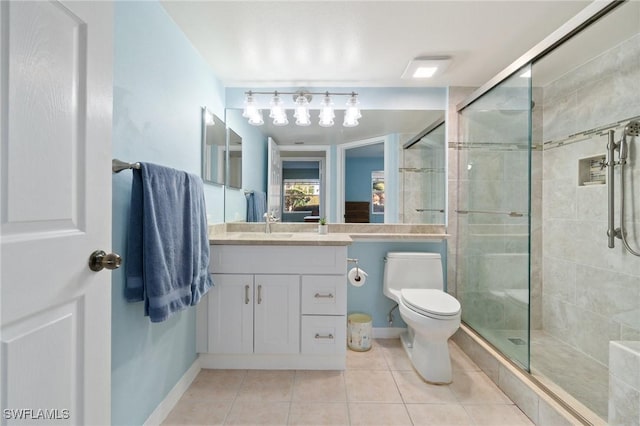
(240,233)
(280,239)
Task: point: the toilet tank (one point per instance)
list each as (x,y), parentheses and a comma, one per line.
(412,270)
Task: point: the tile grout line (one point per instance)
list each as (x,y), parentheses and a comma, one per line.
(233,402)
(404,402)
(346,394)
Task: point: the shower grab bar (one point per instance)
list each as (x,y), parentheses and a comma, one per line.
(118,165)
(430,210)
(610,163)
(510,214)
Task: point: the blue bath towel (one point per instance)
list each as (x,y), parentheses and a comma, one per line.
(256,206)
(168,246)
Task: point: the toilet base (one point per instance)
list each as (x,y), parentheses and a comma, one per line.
(430,359)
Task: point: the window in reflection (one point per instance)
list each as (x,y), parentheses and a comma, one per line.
(301,199)
(377,192)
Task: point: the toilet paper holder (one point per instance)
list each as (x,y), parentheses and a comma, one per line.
(351,260)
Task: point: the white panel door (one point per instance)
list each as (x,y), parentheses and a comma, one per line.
(231,314)
(55,110)
(277,314)
(274,172)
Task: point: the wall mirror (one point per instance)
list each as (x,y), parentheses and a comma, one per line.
(300,147)
(234,179)
(213,148)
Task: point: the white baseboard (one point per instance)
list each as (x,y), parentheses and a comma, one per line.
(387,332)
(164,408)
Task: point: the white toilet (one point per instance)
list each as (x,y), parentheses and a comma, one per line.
(414,281)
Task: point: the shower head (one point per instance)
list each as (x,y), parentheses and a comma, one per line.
(631,129)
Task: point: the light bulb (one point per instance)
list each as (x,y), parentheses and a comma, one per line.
(302,111)
(256,119)
(250,107)
(352,113)
(326,112)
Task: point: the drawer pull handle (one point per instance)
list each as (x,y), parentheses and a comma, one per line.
(246,294)
(323,296)
(319,336)
(259,294)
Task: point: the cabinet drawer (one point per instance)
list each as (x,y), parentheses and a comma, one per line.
(324,335)
(324,295)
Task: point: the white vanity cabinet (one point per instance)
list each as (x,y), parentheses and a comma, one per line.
(275,307)
(254,314)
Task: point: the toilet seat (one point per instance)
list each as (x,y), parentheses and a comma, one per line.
(431,303)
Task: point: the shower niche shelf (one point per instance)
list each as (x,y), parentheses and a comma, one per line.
(591,172)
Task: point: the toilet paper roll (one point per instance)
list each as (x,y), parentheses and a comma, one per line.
(357,277)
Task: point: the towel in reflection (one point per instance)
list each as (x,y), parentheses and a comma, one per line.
(168,247)
(256,206)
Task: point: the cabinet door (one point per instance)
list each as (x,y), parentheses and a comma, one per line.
(277,314)
(231,314)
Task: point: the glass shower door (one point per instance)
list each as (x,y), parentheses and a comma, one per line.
(493,216)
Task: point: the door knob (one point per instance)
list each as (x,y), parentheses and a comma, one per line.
(100,260)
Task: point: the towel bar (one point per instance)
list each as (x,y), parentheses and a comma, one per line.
(118,165)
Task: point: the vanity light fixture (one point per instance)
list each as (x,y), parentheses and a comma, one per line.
(278,112)
(352,113)
(252,111)
(326,112)
(301,113)
(301,106)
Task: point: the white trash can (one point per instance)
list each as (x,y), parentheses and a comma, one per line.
(359,332)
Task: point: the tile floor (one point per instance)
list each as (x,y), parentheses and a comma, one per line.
(379,387)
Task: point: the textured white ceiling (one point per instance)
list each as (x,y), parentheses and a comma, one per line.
(363,43)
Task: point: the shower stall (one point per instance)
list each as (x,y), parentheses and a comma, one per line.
(536,273)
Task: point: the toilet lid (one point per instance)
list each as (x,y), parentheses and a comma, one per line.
(431,302)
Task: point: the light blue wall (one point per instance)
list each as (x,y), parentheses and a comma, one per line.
(358,181)
(160,84)
(369,298)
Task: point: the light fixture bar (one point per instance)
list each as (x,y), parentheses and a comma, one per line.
(302,98)
(300,92)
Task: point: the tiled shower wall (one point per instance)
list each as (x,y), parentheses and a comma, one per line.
(423,177)
(591,294)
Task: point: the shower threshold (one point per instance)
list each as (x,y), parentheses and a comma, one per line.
(539,385)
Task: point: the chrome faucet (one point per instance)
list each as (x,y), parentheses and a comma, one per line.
(269,218)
